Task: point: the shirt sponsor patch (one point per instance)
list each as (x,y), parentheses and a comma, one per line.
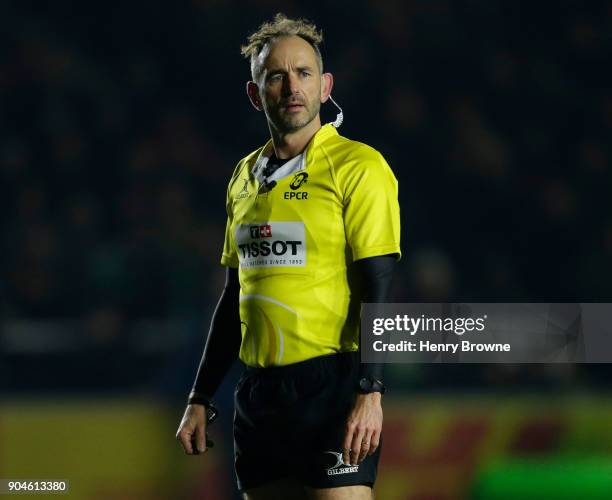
(271,244)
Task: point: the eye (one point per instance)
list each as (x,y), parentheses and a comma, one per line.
(305,73)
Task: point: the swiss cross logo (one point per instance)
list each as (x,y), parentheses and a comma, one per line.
(263,231)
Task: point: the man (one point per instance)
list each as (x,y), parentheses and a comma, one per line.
(312,231)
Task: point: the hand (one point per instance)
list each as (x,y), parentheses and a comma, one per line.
(192,430)
(363,428)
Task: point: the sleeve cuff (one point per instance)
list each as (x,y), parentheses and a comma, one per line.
(364,253)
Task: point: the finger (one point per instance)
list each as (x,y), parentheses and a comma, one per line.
(200,437)
(194,445)
(374,442)
(184,436)
(365,445)
(356,445)
(346,445)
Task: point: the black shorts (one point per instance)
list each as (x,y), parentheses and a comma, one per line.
(289,421)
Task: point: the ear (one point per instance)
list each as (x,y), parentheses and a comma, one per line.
(327,82)
(253,93)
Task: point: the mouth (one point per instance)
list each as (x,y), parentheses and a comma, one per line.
(292,108)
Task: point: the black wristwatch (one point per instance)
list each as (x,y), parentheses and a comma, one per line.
(369,385)
(197,398)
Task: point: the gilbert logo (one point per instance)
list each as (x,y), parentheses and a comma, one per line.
(244,193)
(299,179)
(338,466)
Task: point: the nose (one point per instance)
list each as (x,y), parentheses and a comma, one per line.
(291,84)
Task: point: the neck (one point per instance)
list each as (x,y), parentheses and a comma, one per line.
(293,143)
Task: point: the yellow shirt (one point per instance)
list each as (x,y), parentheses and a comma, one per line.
(294,242)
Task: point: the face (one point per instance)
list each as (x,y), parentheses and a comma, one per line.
(290,84)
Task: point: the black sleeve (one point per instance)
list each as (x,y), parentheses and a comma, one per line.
(224,338)
(371,282)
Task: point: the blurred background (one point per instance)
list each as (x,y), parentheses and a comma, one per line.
(120,126)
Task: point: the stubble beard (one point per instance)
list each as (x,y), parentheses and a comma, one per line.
(286,123)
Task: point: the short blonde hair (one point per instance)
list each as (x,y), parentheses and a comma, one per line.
(279,27)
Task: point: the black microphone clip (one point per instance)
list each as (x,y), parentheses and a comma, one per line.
(266,186)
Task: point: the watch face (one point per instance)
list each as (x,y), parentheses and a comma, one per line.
(365,384)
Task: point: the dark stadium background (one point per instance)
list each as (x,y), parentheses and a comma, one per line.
(120,125)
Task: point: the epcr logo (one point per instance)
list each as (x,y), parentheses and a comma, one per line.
(299,179)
